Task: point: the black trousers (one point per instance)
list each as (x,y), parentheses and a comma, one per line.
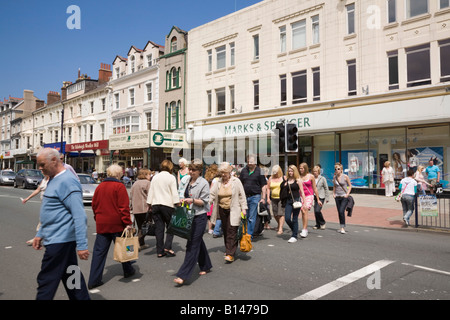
(162,216)
(196,250)
(60,264)
(99,255)
(320,221)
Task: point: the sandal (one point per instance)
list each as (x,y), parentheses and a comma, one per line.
(229,258)
(170,252)
(202,273)
(178,281)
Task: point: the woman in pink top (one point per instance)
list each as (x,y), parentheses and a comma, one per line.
(310,189)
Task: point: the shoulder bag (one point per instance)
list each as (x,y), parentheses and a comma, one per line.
(398,197)
(295,204)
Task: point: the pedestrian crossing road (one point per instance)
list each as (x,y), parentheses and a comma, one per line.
(364,264)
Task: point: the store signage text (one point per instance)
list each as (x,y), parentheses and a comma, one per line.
(263,126)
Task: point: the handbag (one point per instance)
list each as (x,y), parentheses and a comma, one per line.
(295,204)
(262,210)
(246,239)
(126,247)
(398,197)
(148,227)
(181,222)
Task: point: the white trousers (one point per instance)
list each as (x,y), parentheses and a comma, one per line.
(389,188)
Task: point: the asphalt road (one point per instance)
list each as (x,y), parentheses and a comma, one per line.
(364,264)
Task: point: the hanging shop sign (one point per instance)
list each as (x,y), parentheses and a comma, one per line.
(163,139)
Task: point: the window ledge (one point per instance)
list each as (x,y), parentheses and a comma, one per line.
(417,18)
(442,11)
(350,36)
(391,26)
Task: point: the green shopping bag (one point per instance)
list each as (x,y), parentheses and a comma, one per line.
(181,222)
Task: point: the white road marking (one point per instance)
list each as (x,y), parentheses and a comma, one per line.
(427,269)
(343,281)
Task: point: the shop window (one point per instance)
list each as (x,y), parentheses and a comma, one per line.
(418,65)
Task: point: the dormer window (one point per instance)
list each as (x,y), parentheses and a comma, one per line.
(173,44)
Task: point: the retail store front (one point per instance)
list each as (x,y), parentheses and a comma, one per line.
(360,137)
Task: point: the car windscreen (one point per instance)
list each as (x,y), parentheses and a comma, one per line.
(33,173)
(9,173)
(86,180)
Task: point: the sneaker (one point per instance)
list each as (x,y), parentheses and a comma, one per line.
(304,233)
(292,240)
(341,231)
(322,227)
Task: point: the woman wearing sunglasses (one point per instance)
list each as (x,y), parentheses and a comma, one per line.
(341,190)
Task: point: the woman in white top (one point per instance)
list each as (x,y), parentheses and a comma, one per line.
(388,179)
(421,182)
(408,187)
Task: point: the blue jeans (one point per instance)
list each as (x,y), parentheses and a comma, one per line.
(218,228)
(252,212)
(408,206)
(291,222)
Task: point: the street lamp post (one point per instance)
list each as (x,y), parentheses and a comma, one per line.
(62,129)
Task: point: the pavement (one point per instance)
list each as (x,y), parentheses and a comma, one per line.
(369,210)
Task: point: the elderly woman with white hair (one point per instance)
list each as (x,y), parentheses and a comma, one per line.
(229,200)
(184,169)
(111,207)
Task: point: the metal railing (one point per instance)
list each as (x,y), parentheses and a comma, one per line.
(439,221)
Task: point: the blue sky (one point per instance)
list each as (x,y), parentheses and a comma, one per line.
(38,52)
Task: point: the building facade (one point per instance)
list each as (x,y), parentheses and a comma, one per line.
(135,104)
(365,82)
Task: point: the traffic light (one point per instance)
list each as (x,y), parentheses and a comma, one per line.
(281,131)
(291,137)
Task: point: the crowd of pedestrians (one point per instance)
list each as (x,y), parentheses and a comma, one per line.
(220,200)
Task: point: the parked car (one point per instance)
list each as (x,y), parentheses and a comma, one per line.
(7,177)
(88,185)
(27,178)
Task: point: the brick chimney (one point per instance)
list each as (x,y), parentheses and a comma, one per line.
(53,97)
(64,90)
(104,73)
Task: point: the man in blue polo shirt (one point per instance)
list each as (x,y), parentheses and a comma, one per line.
(433,173)
(63,231)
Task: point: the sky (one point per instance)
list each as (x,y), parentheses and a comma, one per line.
(39,52)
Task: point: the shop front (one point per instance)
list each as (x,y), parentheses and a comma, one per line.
(130,149)
(86,156)
(360,136)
